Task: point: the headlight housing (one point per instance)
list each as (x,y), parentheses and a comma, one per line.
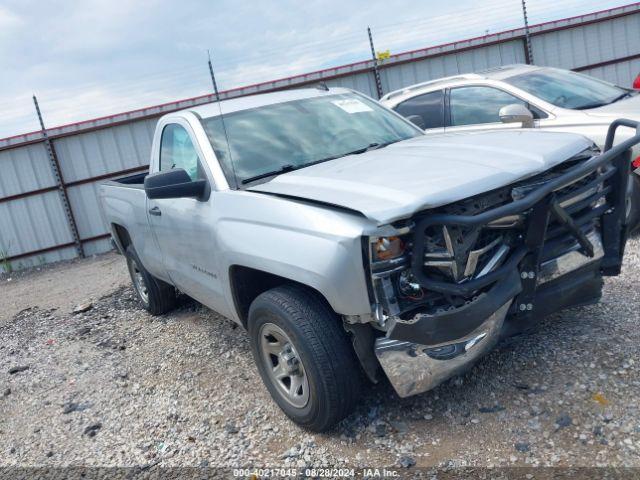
(392,282)
(386,248)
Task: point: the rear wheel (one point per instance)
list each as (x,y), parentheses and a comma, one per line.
(304,356)
(156,296)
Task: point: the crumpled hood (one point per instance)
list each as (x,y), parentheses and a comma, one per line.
(627,108)
(427,171)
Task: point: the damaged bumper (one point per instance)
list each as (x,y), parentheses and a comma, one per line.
(469,333)
(412,368)
(558,239)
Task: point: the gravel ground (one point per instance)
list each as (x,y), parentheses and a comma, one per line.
(114,386)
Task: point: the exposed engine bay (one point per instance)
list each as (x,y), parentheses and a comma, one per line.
(458,253)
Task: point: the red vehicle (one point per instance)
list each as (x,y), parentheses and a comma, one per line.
(636,82)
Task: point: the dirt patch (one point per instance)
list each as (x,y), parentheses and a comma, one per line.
(61,286)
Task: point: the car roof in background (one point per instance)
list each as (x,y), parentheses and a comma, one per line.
(506,71)
(495,73)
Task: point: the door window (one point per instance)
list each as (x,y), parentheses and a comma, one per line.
(477,105)
(429,106)
(177,151)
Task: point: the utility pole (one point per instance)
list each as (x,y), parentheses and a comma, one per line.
(527,38)
(376,72)
(57,175)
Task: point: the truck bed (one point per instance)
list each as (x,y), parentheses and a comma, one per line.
(131,181)
(124,203)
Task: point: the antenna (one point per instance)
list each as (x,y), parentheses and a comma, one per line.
(224,127)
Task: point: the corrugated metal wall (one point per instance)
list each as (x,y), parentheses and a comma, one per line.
(36,222)
(399,76)
(106,150)
(600,43)
(622,73)
(32,224)
(24,169)
(590,44)
(33,227)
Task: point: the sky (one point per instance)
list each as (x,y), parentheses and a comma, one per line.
(89,58)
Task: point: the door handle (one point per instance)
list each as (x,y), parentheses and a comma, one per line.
(155,211)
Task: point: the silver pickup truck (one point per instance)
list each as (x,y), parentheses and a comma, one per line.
(349,244)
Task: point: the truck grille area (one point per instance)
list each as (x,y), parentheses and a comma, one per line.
(585,202)
(463,253)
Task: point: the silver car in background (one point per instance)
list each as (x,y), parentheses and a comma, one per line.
(513,96)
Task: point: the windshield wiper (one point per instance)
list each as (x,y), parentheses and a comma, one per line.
(368,148)
(284,169)
(591,105)
(621,96)
(378,146)
(290,168)
(602,104)
(371,146)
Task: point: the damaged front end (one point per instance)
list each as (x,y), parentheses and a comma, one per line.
(450,282)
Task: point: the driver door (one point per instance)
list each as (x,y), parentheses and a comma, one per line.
(182,226)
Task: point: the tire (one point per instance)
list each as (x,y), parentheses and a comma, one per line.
(633,211)
(321,351)
(156,296)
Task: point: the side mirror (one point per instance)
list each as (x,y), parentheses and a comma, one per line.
(417,120)
(175,183)
(516,113)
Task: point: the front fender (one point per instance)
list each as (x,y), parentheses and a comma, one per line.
(330,263)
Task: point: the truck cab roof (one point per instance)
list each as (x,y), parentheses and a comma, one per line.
(259,100)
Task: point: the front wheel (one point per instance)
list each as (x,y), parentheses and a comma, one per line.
(304,356)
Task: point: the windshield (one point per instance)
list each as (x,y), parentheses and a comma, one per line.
(291,135)
(568,89)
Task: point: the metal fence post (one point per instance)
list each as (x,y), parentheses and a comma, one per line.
(62,188)
(528,52)
(376,72)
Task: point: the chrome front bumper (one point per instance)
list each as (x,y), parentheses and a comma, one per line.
(413,368)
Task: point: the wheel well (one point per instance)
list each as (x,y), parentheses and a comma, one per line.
(247,283)
(122,235)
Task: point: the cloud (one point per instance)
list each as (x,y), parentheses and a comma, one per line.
(87,58)
(8,20)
